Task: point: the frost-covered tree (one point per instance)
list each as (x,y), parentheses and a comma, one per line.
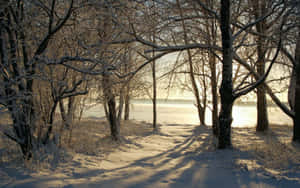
(25,32)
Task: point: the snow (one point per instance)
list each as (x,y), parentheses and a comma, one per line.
(178,155)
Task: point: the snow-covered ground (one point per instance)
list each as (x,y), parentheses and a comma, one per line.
(179,155)
(179,112)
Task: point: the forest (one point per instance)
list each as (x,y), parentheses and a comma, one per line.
(59,58)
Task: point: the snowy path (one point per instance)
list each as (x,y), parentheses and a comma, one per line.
(178,156)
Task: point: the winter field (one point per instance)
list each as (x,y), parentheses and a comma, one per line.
(178,155)
(185,112)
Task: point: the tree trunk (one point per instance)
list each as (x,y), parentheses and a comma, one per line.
(226,90)
(200,108)
(296,120)
(127,87)
(292,89)
(63,113)
(259,7)
(154,123)
(22,123)
(202,115)
(111,110)
(121,105)
(71,116)
(154,99)
(105,109)
(26,146)
(114,126)
(127,105)
(214,86)
(50,126)
(71,110)
(262,111)
(212,30)
(23,116)
(225,120)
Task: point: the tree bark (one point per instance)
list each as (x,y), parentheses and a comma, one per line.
(154,99)
(114,126)
(22,123)
(63,113)
(25,124)
(226,90)
(71,110)
(127,105)
(296,120)
(121,105)
(111,110)
(262,111)
(20,108)
(212,30)
(292,89)
(154,122)
(127,87)
(214,86)
(200,108)
(105,109)
(50,126)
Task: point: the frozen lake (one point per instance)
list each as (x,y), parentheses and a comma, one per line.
(184,112)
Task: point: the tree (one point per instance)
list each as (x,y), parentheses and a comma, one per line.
(200,108)
(259,8)
(294,89)
(19,58)
(226,90)
(229,53)
(61,89)
(114,55)
(153,34)
(63,83)
(296,105)
(212,40)
(127,68)
(228,94)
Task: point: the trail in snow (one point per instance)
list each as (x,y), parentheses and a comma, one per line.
(176,156)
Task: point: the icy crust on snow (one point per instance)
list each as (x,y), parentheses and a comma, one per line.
(174,156)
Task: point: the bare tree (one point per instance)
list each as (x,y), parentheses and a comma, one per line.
(294,91)
(228,94)
(296,106)
(211,28)
(19,59)
(200,108)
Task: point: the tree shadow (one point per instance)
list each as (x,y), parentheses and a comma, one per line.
(192,163)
